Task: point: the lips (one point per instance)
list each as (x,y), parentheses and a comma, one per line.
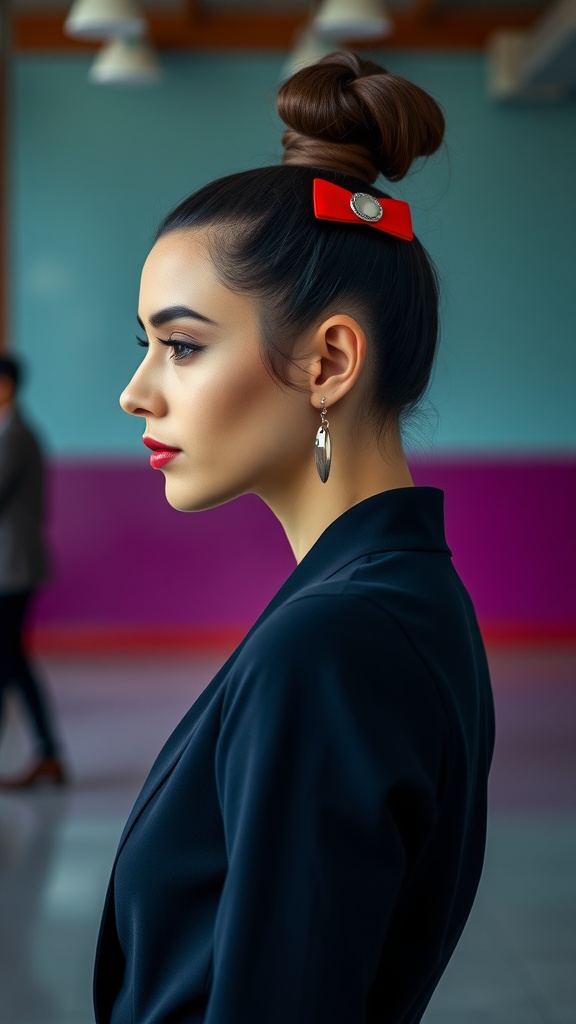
(162,453)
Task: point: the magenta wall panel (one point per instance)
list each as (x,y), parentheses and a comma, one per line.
(124,560)
(122,556)
(511,525)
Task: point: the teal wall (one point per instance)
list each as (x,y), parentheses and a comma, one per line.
(94,168)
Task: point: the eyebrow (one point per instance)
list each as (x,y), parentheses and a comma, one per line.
(163,316)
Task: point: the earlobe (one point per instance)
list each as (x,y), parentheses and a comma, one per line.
(341,353)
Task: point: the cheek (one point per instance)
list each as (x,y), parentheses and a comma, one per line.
(240,395)
(229,400)
(238,419)
(258,410)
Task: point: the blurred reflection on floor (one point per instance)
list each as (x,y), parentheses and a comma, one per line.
(515,963)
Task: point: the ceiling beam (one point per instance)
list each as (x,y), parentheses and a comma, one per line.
(275,31)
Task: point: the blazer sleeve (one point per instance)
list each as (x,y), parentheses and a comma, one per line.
(317,755)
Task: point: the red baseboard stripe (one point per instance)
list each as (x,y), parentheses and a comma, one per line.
(93,640)
(526,634)
(132,640)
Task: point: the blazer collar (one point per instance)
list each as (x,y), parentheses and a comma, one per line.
(404,519)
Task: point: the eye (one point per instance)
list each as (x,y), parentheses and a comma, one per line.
(182,349)
(182,346)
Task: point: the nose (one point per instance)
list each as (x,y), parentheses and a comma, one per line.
(143,395)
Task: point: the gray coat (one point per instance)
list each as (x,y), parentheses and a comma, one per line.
(22,550)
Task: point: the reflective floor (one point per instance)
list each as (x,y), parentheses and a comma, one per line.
(516,961)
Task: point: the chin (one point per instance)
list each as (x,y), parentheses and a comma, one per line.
(186,500)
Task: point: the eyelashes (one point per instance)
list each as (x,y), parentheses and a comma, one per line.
(180,349)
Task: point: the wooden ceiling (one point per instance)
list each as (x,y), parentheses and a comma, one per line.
(418,24)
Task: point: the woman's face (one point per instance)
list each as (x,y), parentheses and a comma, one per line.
(204,390)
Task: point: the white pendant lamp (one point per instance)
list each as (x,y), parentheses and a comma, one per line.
(307,50)
(352,19)
(125,62)
(104,19)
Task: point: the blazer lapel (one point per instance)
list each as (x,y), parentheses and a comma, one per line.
(180,738)
(170,754)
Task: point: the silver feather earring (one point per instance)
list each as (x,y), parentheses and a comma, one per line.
(323,448)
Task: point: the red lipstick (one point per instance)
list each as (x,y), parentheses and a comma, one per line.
(162,453)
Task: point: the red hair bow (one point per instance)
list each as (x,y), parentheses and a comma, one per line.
(331,202)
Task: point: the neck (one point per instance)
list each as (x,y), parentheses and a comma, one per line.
(308,506)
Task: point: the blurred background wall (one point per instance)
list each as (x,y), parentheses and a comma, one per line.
(93,171)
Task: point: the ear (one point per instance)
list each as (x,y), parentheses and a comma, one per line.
(338,355)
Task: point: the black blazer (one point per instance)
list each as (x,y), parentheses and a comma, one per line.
(307,847)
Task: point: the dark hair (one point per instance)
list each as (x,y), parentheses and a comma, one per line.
(348,119)
(11,368)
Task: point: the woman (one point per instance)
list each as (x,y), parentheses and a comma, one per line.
(309,842)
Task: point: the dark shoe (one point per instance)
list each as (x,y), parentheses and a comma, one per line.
(49,770)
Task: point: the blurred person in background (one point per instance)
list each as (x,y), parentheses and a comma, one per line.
(22,569)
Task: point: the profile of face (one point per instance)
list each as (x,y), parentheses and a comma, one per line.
(204,390)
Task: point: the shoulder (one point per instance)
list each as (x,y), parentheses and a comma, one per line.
(341,612)
(346,618)
(331,644)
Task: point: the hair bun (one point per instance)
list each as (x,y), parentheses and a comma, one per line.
(351,115)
